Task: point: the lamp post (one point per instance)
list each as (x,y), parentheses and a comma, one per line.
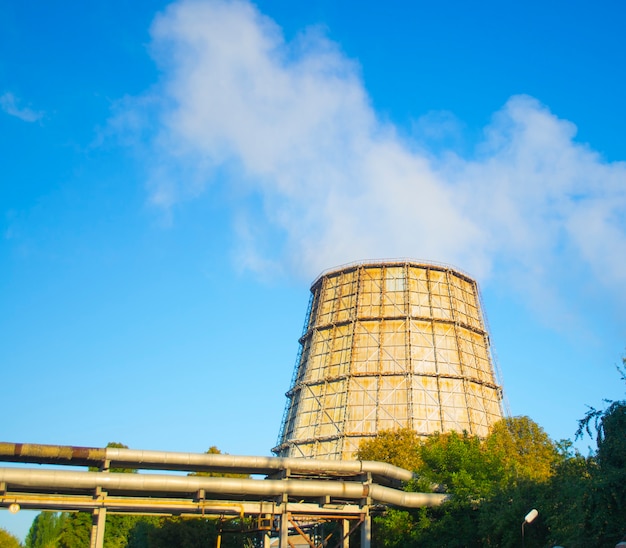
(527,519)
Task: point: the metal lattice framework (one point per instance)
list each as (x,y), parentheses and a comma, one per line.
(389,345)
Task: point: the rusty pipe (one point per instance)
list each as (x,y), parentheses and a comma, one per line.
(167,460)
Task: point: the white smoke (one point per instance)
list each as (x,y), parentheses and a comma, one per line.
(318,180)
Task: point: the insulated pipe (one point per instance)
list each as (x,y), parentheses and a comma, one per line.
(405,499)
(253,464)
(17,478)
(51,454)
(166,460)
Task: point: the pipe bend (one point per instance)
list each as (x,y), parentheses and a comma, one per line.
(406,499)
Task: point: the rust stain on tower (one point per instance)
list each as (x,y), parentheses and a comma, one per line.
(389,345)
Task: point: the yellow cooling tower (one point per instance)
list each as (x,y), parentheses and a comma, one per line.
(389,345)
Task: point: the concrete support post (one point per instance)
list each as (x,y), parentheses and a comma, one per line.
(98,522)
(366,526)
(345,532)
(366,530)
(284,531)
(99,515)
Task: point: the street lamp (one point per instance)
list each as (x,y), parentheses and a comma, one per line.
(527,519)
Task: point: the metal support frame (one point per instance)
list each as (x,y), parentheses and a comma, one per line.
(308,491)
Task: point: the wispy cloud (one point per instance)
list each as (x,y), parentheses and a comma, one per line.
(9,104)
(290,126)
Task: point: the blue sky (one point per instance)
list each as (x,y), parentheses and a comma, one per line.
(174,176)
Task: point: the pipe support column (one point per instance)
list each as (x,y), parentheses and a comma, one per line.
(345,532)
(98,522)
(366,530)
(284,530)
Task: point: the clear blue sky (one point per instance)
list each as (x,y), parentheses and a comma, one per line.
(173,178)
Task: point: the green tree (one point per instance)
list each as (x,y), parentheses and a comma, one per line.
(7,540)
(398,447)
(461,464)
(45,530)
(493,482)
(119,527)
(76,531)
(118,532)
(566,502)
(526,451)
(183,533)
(139,535)
(611,481)
(604,502)
(500,515)
(456,463)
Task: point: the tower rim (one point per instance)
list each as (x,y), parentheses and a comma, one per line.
(401,261)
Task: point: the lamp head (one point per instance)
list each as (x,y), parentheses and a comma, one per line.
(531,516)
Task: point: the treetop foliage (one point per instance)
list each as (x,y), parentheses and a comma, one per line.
(459,464)
(45,531)
(7,540)
(517,449)
(607,424)
(525,450)
(397,447)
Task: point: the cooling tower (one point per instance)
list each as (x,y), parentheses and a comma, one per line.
(389,345)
